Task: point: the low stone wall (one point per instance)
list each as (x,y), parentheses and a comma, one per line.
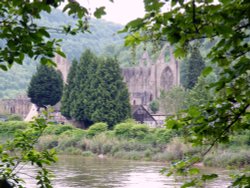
(19,106)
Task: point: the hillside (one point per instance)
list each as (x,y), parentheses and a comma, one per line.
(102,40)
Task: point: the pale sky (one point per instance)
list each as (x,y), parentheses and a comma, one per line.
(121,11)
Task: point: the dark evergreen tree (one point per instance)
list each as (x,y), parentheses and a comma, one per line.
(46,87)
(81,94)
(67,94)
(194,68)
(111,103)
(97,92)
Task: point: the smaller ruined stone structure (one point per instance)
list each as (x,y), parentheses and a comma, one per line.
(141,115)
(63,65)
(146,81)
(20,106)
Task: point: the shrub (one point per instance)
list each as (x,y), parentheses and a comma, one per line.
(87,154)
(47,142)
(134,155)
(68,141)
(227,158)
(123,129)
(15,117)
(57,129)
(139,131)
(154,106)
(163,135)
(97,128)
(99,144)
(8,128)
(76,132)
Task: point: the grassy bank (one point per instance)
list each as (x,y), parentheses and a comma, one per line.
(133,141)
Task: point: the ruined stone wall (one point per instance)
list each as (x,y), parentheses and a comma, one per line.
(63,65)
(19,106)
(146,81)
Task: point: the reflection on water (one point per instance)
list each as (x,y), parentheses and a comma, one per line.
(76,171)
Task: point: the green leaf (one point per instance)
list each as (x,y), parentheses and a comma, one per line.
(189,184)
(194,171)
(3,67)
(99,12)
(194,112)
(206,71)
(208,177)
(61,53)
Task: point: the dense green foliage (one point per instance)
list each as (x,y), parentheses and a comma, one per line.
(190,21)
(46,87)
(20,150)
(130,140)
(195,65)
(97,128)
(95,91)
(21,34)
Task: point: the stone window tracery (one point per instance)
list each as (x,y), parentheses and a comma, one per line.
(167,79)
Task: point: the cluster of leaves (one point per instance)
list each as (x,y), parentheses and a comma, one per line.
(46,86)
(21,151)
(20,35)
(228,23)
(95,91)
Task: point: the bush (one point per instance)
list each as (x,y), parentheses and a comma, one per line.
(154,106)
(123,129)
(228,158)
(131,155)
(15,117)
(57,129)
(87,154)
(97,128)
(8,128)
(47,142)
(163,135)
(76,132)
(100,144)
(139,131)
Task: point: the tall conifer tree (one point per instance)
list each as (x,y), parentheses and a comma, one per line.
(194,68)
(46,87)
(67,94)
(112,99)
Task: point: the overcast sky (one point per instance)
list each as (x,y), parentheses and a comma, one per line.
(121,11)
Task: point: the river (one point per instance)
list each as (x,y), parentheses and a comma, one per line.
(80,172)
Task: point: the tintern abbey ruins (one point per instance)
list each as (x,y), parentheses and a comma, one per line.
(145,81)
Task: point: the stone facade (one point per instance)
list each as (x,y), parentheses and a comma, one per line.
(20,106)
(63,65)
(146,81)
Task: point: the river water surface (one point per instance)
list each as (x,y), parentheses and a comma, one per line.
(80,172)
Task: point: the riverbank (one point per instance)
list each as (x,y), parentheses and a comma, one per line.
(133,142)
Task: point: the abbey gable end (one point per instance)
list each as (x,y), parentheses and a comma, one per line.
(146,81)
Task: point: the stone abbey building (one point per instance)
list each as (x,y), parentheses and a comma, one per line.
(146,81)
